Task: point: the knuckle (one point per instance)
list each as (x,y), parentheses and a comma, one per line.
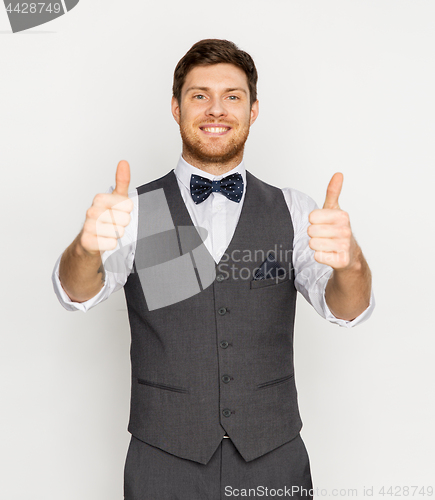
(98,198)
(91,213)
(346,232)
(87,226)
(344,246)
(318,256)
(344,260)
(344,216)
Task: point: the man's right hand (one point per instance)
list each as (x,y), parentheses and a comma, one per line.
(81,272)
(108,216)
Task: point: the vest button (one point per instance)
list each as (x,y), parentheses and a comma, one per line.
(226,412)
(220,277)
(224,344)
(222,311)
(226,379)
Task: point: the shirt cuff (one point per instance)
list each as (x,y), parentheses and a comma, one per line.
(66,302)
(327,314)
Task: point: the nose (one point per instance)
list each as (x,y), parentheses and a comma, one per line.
(216,108)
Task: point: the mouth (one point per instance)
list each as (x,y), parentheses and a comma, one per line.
(215,130)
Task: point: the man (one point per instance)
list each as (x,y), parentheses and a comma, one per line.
(214,404)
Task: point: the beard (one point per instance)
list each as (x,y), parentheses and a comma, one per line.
(213,149)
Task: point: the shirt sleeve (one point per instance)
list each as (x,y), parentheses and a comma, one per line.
(117,264)
(311,277)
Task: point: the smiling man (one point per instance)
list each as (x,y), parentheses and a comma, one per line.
(214,112)
(214,409)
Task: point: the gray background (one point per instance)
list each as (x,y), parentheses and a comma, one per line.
(344,86)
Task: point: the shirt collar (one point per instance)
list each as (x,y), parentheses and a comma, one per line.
(184,170)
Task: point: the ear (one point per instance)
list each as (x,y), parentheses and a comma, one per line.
(254,111)
(175,110)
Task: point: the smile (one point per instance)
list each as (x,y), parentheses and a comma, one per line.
(215,130)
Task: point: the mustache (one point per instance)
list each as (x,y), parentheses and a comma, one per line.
(215,122)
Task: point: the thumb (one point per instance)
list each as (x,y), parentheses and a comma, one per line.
(122,178)
(333,191)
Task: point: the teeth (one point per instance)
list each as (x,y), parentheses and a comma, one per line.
(216,130)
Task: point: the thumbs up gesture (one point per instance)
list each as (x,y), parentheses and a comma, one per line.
(108,216)
(330,233)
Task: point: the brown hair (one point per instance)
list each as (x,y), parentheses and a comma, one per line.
(214,51)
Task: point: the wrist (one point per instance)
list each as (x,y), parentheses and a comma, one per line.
(356,262)
(81,252)
(357,268)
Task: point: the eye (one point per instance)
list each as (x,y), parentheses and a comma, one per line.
(198,96)
(233,98)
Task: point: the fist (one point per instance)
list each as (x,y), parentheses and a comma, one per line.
(108,216)
(330,233)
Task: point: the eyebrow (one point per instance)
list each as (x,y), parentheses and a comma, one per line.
(207,89)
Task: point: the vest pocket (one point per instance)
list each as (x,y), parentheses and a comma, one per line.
(269,282)
(275,381)
(162,386)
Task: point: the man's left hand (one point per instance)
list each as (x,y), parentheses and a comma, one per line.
(330,233)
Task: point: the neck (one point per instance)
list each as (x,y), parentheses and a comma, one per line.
(215,167)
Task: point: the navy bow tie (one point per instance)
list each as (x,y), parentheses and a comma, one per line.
(230,186)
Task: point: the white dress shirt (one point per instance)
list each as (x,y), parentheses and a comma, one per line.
(219,216)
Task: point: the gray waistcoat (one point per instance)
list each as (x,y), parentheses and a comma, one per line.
(221,360)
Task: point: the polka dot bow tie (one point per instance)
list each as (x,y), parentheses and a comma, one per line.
(230,186)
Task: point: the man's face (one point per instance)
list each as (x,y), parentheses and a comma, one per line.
(214,114)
